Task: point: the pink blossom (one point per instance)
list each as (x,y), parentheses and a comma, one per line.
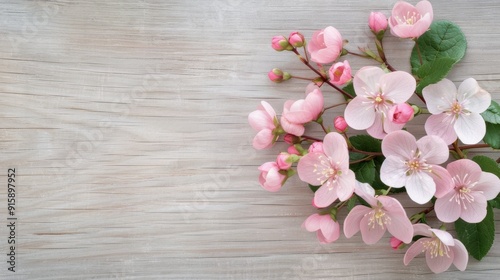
(377,22)
(316,147)
(340,73)
(270,178)
(395,243)
(296,39)
(329,169)
(340,124)
(326,229)
(282,161)
(292,150)
(264,121)
(297,113)
(456,113)
(408,21)
(275,75)
(401,113)
(441,250)
(414,164)
(280,43)
(326,45)
(472,189)
(384,213)
(377,92)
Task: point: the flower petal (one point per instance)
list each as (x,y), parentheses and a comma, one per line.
(353,220)
(399,143)
(325,195)
(489,184)
(433,149)
(473,97)
(422,229)
(425,7)
(439,263)
(345,185)
(263,139)
(371,233)
(441,125)
(359,113)
(292,128)
(397,86)
(461,255)
(366,192)
(440,96)
(414,250)
(447,208)
(400,227)
(474,211)
(310,168)
(465,168)
(366,80)
(312,223)
(443,180)
(470,128)
(329,228)
(335,147)
(393,172)
(420,187)
(444,236)
(259,120)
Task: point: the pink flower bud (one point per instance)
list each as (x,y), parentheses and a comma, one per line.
(280,43)
(377,22)
(296,39)
(316,147)
(270,178)
(340,73)
(275,75)
(291,139)
(401,113)
(395,243)
(340,124)
(281,160)
(292,150)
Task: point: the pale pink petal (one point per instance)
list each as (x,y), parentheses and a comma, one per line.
(314,103)
(414,250)
(390,126)
(325,195)
(421,26)
(402,8)
(366,192)
(472,97)
(292,128)
(299,116)
(420,187)
(440,97)
(345,185)
(324,56)
(470,128)
(463,167)
(366,80)
(447,208)
(266,166)
(441,125)
(438,263)
(402,30)
(329,228)
(370,234)
(263,139)
(311,87)
(433,149)
(274,181)
(488,184)
(310,171)
(422,229)
(268,108)
(393,172)
(461,255)
(377,129)
(332,37)
(399,225)
(335,147)
(353,220)
(259,120)
(360,113)
(425,7)
(312,223)
(444,236)
(397,86)
(443,180)
(399,143)
(475,210)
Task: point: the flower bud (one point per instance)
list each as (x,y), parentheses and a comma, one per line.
(280,43)
(340,124)
(296,39)
(316,147)
(377,22)
(291,139)
(282,162)
(396,243)
(275,75)
(292,150)
(340,73)
(401,113)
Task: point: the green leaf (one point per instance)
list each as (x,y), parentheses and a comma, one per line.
(477,238)
(366,143)
(444,39)
(492,136)
(349,89)
(433,71)
(495,202)
(487,164)
(313,188)
(492,114)
(352,202)
(364,171)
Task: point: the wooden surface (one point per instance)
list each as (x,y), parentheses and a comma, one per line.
(126,122)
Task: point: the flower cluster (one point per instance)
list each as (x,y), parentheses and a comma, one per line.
(361,174)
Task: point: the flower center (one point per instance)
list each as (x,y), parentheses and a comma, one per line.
(378,217)
(416,164)
(325,171)
(436,248)
(410,18)
(456,108)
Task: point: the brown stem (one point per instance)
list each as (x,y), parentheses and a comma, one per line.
(498,160)
(301,78)
(361,160)
(333,106)
(325,80)
(380,48)
(357,54)
(475,146)
(311,138)
(352,149)
(457,149)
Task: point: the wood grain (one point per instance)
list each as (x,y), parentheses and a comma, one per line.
(126,122)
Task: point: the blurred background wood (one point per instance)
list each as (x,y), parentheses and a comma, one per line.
(127,124)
